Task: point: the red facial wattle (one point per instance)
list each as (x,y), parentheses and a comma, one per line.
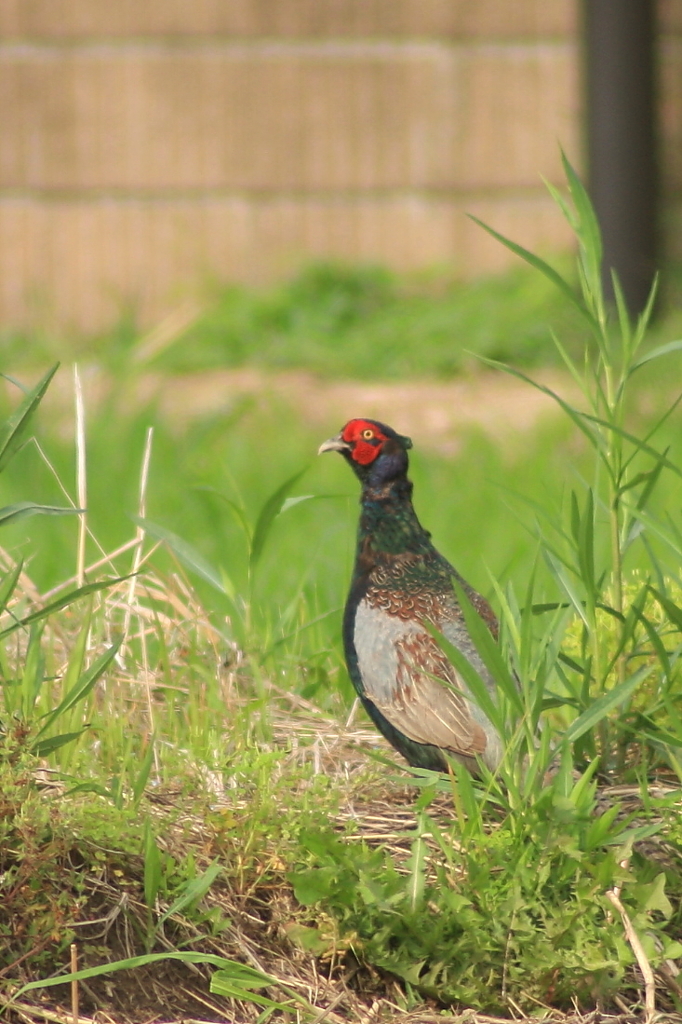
(366,440)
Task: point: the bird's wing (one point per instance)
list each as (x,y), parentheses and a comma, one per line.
(478,601)
(424,708)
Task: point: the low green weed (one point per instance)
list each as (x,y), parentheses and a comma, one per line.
(71,871)
(231,979)
(336,320)
(382,326)
(504,918)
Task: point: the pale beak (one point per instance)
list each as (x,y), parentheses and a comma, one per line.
(334,444)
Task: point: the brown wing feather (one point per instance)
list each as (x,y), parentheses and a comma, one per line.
(486,613)
(426,710)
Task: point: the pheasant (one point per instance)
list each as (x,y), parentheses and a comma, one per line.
(401,582)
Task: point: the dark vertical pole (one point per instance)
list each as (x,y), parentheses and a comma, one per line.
(621,139)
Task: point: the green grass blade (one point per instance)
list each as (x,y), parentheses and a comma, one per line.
(576,415)
(62,602)
(623,318)
(43,748)
(658,424)
(656,353)
(565,583)
(33,673)
(269,512)
(535,261)
(235,984)
(416,866)
(439,837)
(672,610)
(244,978)
(648,477)
(83,685)
(16,425)
(567,210)
(488,649)
(236,510)
(297,631)
(465,798)
(603,705)
(77,656)
(194,891)
(646,314)
(142,777)
(587,227)
(655,641)
(15,382)
(471,677)
(24,509)
(9,584)
(570,365)
(186,553)
(152,867)
(586,547)
(221,985)
(575,518)
(636,441)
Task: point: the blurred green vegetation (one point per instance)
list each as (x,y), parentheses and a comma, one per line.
(352,321)
(344,320)
(367,322)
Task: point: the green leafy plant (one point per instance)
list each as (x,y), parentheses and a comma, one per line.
(493,918)
(611,665)
(383,325)
(193,889)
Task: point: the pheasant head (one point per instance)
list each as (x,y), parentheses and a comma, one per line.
(376,453)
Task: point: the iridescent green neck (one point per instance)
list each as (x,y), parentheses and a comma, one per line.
(388,522)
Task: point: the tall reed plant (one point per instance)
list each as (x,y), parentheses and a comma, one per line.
(625,624)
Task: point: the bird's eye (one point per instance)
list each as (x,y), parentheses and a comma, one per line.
(368,434)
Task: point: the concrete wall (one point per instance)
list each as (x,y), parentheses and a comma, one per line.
(150,146)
